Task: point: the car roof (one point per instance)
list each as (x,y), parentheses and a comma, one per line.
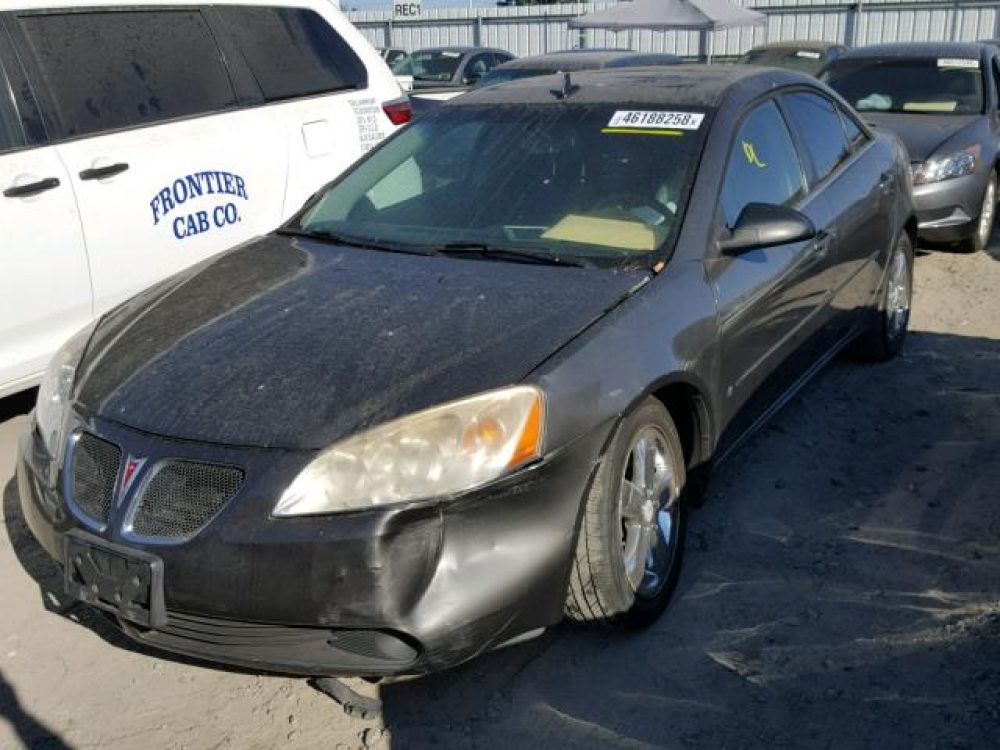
(916,50)
(581,60)
(458,48)
(702,86)
(806,44)
(19,5)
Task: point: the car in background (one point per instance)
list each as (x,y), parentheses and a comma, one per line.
(454,67)
(569,61)
(941,99)
(399,63)
(808,56)
(137,140)
(472,387)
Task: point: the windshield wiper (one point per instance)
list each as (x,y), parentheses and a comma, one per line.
(325,235)
(515,254)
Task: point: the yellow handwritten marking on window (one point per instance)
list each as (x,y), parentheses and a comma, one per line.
(639,131)
(751,154)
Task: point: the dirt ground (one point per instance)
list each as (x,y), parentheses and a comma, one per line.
(841,590)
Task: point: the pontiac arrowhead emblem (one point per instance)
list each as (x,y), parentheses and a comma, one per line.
(133,464)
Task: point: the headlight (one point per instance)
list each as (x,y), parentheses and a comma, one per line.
(940,168)
(440,451)
(56,390)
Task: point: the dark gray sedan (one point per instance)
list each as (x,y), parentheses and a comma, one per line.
(454,67)
(941,100)
(476,383)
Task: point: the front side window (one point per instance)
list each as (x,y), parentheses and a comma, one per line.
(820,130)
(114,69)
(942,85)
(293,52)
(763,164)
(551,179)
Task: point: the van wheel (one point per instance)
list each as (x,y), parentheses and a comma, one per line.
(884,339)
(987,213)
(631,540)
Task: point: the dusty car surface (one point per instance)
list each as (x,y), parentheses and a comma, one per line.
(941,99)
(474,385)
(805,55)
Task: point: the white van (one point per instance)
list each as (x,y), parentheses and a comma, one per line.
(139,138)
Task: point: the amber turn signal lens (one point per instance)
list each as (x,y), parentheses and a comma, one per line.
(529,446)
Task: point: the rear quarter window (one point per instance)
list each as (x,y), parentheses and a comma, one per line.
(113,69)
(293,52)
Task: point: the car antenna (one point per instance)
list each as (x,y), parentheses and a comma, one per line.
(567,90)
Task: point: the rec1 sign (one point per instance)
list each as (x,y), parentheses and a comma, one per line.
(405,10)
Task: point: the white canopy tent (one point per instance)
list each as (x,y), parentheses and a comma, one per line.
(680,15)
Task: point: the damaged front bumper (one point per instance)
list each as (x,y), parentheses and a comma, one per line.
(405,589)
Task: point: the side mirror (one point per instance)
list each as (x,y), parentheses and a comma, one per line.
(765,225)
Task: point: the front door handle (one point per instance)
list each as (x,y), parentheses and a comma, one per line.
(32,188)
(99,173)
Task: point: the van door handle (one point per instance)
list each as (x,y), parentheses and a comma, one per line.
(99,173)
(32,188)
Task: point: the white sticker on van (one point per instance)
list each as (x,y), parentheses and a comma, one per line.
(169,204)
(628,118)
(368,114)
(957,62)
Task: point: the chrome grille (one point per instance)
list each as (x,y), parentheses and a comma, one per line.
(181,497)
(94,474)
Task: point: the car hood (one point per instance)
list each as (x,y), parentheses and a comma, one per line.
(923,134)
(291,343)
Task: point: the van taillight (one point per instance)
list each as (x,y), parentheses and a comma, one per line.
(398,111)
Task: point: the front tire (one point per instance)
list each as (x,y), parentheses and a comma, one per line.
(884,339)
(631,540)
(987,215)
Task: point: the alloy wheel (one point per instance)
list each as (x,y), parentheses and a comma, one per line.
(648,508)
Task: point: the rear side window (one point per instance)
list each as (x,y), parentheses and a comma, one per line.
(109,70)
(293,52)
(763,164)
(820,129)
(855,135)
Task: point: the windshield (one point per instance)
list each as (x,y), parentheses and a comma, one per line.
(806,60)
(947,86)
(597,184)
(435,64)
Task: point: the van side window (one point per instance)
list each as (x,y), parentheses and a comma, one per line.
(10,128)
(293,52)
(115,69)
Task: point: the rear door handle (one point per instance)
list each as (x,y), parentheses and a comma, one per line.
(99,173)
(32,188)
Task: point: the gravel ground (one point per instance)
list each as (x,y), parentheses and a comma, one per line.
(841,590)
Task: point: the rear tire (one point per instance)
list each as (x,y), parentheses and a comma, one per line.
(884,339)
(984,222)
(631,541)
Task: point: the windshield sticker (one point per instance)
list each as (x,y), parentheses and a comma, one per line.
(750,152)
(627,118)
(958,62)
(192,187)
(448,53)
(808,53)
(368,113)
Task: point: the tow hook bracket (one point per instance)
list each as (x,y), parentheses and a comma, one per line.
(354,703)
